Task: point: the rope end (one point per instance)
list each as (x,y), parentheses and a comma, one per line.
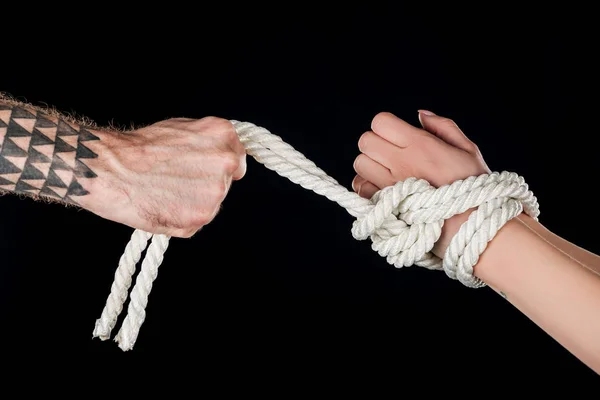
(100,331)
(124,340)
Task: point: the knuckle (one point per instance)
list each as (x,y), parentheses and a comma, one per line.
(231,137)
(198,218)
(211,120)
(472,147)
(183,233)
(402,169)
(447,122)
(217,123)
(219,190)
(225,131)
(230,162)
(379,119)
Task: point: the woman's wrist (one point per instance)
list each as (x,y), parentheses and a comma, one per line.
(493,255)
(450,228)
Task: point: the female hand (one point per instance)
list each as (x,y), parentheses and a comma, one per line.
(394,150)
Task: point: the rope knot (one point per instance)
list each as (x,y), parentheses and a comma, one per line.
(396,234)
(405,220)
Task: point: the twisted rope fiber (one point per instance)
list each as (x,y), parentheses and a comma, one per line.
(403,221)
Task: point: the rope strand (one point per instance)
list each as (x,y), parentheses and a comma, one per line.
(403,221)
(121,284)
(136,312)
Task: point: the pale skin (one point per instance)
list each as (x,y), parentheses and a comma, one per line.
(171,178)
(167,178)
(552,281)
(175,174)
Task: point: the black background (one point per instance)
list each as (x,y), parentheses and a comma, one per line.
(277,279)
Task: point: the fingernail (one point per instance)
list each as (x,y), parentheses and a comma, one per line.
(425,112)
(355,164)
(357,187)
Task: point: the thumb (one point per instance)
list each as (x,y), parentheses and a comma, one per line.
(447,130)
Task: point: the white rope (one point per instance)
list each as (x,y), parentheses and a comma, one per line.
(120,286)
(403,221)
(136,312)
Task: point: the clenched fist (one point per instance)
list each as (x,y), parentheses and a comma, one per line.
(168,178)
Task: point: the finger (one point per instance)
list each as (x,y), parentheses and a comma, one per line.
(447,130)
(183,233)
(378,149)
(240,150)
(363,187)
(367,190)
(241,170)
(236,143)
(372,171)
(357,182)
(395,130)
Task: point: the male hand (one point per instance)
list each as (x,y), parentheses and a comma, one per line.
(169,178)
(395,150)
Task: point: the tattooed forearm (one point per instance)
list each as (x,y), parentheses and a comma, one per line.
(169,177)
(43,155)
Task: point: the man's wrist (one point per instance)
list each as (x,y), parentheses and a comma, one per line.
(106,189)
(50,155)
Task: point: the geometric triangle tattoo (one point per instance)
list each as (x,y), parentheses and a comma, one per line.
(43,154)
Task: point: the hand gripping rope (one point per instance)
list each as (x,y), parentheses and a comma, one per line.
(403,221)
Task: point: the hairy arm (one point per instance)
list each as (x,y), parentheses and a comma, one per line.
(42,155)
(167,178)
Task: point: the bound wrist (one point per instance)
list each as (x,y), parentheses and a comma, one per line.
(450,228)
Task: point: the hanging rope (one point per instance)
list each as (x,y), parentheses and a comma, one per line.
(403,221)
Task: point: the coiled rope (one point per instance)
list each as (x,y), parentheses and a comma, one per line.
(403,221)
